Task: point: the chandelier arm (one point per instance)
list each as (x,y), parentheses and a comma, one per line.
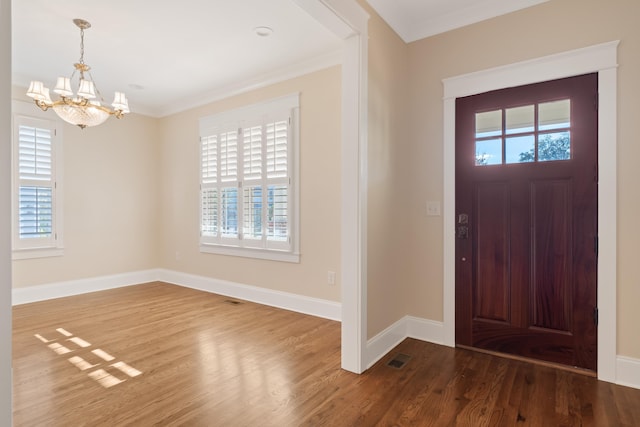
(79,102)
(96,87)
(43,105)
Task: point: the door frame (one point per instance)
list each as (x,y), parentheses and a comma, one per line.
(349,21)
(601,58)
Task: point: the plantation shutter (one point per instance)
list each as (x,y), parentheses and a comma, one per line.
(252,185)
(208,188)
(35,199)
(229,181)
(229,156)
(277,148)
(252,167)
(246,188)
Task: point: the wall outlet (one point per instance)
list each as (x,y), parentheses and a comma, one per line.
(331,277)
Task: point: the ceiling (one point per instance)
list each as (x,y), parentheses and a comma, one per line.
(169,55)
(416,19)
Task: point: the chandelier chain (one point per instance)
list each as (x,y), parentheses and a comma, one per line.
(82,45)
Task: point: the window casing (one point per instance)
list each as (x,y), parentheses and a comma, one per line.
(36,184)
(249,180)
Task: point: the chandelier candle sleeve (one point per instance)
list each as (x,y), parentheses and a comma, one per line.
(86,107)
(87,90)
(63,87)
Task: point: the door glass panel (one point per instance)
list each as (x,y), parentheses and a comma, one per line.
(519,120)
(489,152)
(554,115)
(488,124)
(554,146)
(520,149)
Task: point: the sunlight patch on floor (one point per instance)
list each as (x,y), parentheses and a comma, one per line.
(59,348)
(100,375)
(103,355)
(104,378)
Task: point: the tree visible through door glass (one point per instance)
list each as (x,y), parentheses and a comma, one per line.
(488,147)
(530,133)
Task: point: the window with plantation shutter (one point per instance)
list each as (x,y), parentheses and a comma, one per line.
(248,181)
(36,212)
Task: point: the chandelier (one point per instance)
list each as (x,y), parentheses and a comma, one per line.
(84,108)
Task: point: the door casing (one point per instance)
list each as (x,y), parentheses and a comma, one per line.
(601,58)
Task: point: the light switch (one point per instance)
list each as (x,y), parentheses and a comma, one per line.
(433,208)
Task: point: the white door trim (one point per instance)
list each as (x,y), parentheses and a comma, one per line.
(602,59)
(347,20)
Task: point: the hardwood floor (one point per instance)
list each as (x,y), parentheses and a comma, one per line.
(185,357)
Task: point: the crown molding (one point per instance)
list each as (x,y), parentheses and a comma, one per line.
(412,25)
(276,76)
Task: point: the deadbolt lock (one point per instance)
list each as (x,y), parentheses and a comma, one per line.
(462,229)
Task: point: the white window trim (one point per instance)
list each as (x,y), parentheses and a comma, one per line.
(29,110)
(290,102)
(268,254)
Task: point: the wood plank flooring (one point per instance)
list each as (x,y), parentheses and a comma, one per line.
(158,354)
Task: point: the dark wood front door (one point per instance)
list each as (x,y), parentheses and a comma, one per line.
(526,221)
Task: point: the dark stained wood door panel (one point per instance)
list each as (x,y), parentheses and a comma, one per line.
(525,257)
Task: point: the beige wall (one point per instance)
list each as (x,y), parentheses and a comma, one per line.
(111,191)
(131,197)
(319,188)
(388,286)
(556,26)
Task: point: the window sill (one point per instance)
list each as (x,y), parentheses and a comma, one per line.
(36,253)
(272,255)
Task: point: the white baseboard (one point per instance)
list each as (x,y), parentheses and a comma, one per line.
(407,327)
(628,371)
(425,330)
(385,341)
(80,286)
(288,301)
(298,303)
(627,368)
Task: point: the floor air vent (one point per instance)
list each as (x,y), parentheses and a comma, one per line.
(399,361)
